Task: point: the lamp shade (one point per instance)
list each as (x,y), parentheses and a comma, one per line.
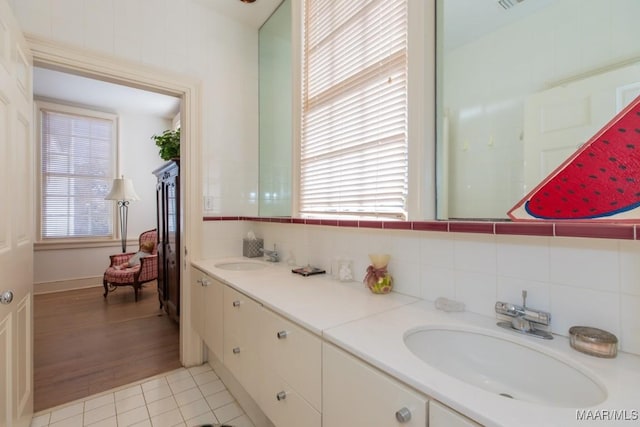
(122,189)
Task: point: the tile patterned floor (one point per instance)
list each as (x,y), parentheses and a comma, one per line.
(184,398)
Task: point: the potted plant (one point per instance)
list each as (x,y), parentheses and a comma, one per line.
(169,143)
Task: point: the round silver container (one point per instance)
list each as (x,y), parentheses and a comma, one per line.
(593,341)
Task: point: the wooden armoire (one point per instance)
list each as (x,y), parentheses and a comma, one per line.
(168,217)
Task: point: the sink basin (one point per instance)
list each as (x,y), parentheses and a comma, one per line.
(241,265)
(505,367)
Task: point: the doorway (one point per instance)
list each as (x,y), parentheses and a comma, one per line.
(63,58)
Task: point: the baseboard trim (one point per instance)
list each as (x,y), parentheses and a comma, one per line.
(67,285)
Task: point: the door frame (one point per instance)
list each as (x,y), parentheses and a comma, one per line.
(62,57)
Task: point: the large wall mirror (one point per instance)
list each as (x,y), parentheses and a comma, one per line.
(275,113)
(521,85)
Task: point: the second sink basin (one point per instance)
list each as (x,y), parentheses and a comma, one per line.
(505,367)
(241,265)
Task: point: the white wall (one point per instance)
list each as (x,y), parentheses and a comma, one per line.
(182,36)
(187,37)
(138,157)
(589,282)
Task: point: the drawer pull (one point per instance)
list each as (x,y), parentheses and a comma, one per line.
(281,396)
(205,282)
(236,303)
(282,335)
(403,415)
(236,350)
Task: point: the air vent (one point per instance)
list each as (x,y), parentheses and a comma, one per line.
(507,4)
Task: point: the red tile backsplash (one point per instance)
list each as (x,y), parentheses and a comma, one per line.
(598,231)
(525,229)
(370,224)
(471,227)
(431,226)
(347,223)
(397,225)
(561,229)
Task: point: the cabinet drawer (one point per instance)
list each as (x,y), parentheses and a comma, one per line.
(240,339)
(294,354)
(284,406)
(235,355)
(241,359)
(239,313)
(356,394)
(442,416)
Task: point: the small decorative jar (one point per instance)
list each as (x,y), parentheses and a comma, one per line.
(378,279)
(342,270)
(345,270)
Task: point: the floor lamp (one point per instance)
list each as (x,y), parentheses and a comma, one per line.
(123,192)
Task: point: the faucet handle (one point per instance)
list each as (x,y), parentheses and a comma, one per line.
(272,255)
(508,309)
(524,298)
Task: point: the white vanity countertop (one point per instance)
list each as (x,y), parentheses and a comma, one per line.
(379,340)
(372,327)
(314,302)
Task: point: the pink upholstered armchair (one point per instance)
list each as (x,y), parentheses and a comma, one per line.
(134,276)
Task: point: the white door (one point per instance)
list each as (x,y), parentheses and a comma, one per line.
(16,224)
(559,120)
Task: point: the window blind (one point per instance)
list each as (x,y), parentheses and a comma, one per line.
(77,171)
(353,153)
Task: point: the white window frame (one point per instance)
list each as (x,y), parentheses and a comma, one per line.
(46,105)
(421,107)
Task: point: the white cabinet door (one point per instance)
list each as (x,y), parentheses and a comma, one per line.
(240,346)
(290,375)
(442,416)
(206,310)
(292,353)
(356,394)
(197,301)
(284,406)
(213,316)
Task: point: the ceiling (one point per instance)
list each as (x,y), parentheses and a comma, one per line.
(106,96)
(253,14)
(472,18)
(467,20)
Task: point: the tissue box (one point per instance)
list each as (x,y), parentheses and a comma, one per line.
(252,248)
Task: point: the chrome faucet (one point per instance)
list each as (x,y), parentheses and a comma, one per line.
(524,319)
(272,256)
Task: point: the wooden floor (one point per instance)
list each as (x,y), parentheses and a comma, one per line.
(85,345)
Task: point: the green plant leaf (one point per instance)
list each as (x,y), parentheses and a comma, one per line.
(169,143)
